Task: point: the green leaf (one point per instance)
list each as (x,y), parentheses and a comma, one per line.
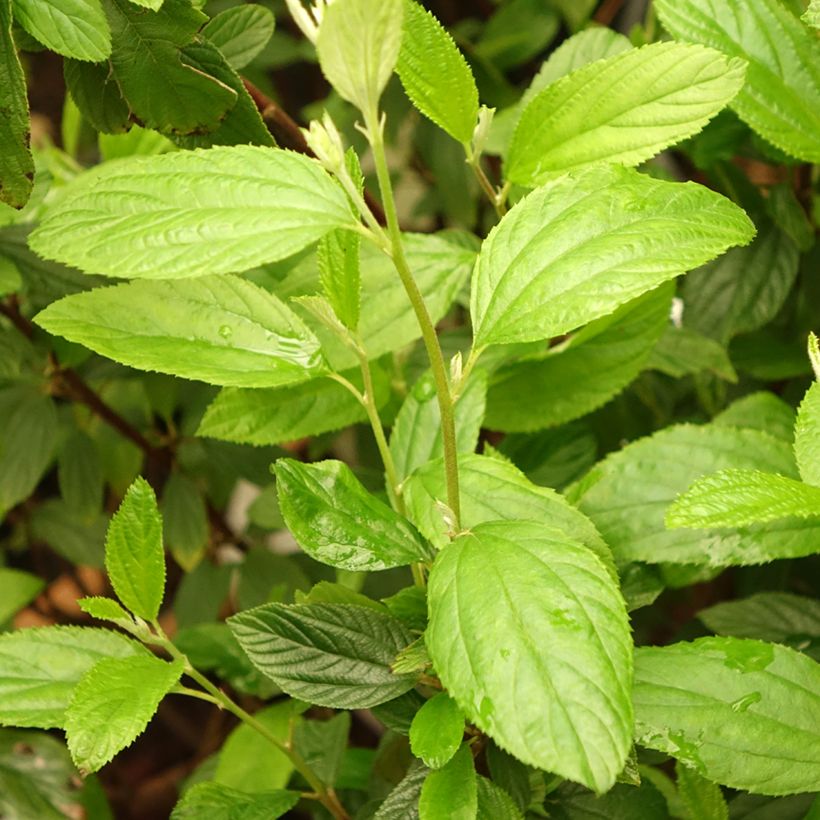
(79,473)
(28,436)
(702,799)
(214,211)
(288,413)
(584,244)
(39,669)
(338,258)
(76,537)
(98,95)
(741,713)
(451,793)
(217,802)
(494,803)
(770,616)
(517,31)
(737,498)
(17,589)
(112,705)
(762,411)
(416,437)
(16,162)
(435,75)
(492,490)
(624,110)
(807,436)
(627,495)
(240,33)
(681,351)
(163,92)
(620,803)
(338,522)
(106,609)
(186,520)
(811,16)
(329,654)
(580,375)
(402,803)
(743,290)
(218,329)
(322,744)
(547,676)
(73,28)
(436,730)
(134,556)
(358,46)
(781,97)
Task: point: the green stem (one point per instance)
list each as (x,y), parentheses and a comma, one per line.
(375,133)
(495,197)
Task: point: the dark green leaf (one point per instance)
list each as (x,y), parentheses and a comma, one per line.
(322,744)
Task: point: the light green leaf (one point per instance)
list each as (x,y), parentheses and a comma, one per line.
(701,799)
(811,16)
(136,142)
(106,609)
(209,211)
(217,802)
(338,522)
(112,705)
(624,110)
(73,28)
(218,329)
(807,436)
(547,676)
(743,290)
(416,437)
(134,556)
(451,793)
(576,378)
(584,244)
(770,616)
(402,803)
(741,713)
(737,498)
(155,5)
(288,413)
(681,351)
(329,654)
(338,258)
(162,91)
(781,97)
(240,33)
(492,490)
(186,520)
(358,45)
(39,669)
(16,162)
(627,495)
(17,589)
(436,730)
(435,75)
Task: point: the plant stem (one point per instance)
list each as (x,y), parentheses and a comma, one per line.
(494,196)
(375,134)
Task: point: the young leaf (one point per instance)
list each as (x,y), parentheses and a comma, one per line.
(616,493)
(741,713)
(338,522)
(781,97)
(219,210)
(435,75)
(106,609)
(416,437)
(218,329)
(451,793)
(492,490)
(218,802)
(581,375)
(39,669)
(584,244)
(437,730)
(737,498)
(807,436)
(338,258)
(358,45)
(546,675)
(622,110)
(811,16)
(329,654)
(702,799)
(240,33)
(16,162)
(73,28)
(186,520)
(134,556)
(113,704)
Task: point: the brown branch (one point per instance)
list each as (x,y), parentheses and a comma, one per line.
(287,131)
(11,310)
(608,11)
